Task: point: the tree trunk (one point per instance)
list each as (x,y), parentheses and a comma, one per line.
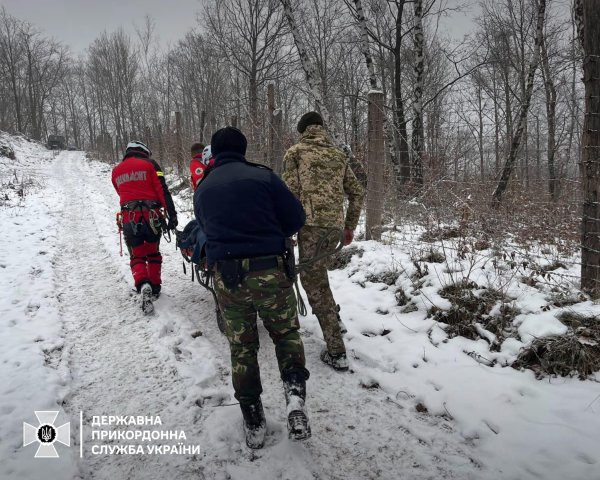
(516,142)
(417,134)
(364,43)
(590,157)
(550,91)
(403,158)
(314,82)
(496,128)
(480,134)
(375,162)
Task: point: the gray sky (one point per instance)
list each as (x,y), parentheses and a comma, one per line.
(77,23)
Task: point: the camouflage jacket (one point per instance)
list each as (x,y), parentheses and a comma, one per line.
(317,172)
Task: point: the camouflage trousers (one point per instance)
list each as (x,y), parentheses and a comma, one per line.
(315,281)
(270,294)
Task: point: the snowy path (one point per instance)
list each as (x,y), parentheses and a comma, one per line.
(73,339)
(122,363)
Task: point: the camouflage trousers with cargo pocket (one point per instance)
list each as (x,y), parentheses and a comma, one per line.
(270,294)
(315,281)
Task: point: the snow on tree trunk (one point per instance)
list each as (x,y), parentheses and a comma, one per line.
(364,43)
(402,159)
(518,135)
(417,137)
(590,157)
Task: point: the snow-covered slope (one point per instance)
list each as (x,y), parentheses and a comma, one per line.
(414,406)
(32,378)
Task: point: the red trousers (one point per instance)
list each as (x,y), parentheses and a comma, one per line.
(143,243)
(146,262)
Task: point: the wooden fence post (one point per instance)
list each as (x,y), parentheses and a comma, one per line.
(179,155)
(375,166)
(272,133)
(278,141)
(590,154)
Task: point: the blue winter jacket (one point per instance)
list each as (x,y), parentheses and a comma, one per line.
(246,211)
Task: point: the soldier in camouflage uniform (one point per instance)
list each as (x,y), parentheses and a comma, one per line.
(247,212)
(318,173)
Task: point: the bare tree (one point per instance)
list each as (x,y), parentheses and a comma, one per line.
(550,91)
(590,239)
(418,135)
(251,34)
(516,141)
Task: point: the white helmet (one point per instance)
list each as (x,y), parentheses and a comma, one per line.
(206,155)
(139,146)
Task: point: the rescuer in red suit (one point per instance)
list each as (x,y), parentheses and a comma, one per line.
(202,160)
(144,196)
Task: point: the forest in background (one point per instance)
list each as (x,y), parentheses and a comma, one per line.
(461,117)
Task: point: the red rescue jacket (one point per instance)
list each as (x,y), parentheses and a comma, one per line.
(198,168)
(140,178)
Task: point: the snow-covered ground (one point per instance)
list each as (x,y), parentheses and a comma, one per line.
(416,405)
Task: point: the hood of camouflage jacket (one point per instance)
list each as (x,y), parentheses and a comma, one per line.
(316,135)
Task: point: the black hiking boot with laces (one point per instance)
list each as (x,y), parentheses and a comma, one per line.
(294,387)
(255,425)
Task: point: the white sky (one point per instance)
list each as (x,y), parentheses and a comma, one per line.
(77,23)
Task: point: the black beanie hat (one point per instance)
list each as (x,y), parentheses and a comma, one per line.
(310,118)
(228,139)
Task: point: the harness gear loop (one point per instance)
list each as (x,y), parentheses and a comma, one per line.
(154,220)
(119,220)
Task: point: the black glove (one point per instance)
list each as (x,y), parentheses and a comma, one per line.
(172,223)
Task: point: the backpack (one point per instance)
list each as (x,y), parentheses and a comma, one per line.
(191,241)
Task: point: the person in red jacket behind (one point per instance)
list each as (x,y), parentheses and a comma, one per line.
(196,165)
(143,192)
(202,160)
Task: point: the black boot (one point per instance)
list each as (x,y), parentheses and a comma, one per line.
(294,386)
(255,425)
(339,361)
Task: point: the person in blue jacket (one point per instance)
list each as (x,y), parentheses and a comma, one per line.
(248,213)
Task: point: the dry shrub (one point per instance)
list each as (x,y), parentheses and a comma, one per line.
(587,326)
(564,356)
(6,150)
(469,308)
(433,256)
(451,209)
(389,277)
(342,259)
(442,233)
(402,298)
(565,298)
